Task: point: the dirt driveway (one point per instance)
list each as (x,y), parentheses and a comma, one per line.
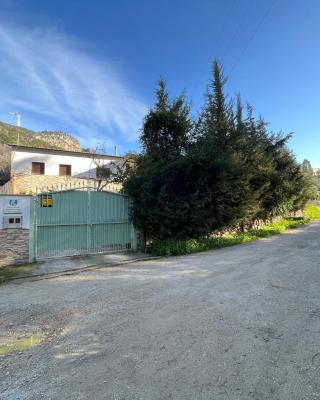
(236,323)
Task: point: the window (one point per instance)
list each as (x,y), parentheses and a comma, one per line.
(38,168)
(103,172)
(64,170)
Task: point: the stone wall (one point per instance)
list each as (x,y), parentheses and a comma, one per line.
(14,246)
(7,188)
(32,184)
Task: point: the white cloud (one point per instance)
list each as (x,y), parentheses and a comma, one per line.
(49,75)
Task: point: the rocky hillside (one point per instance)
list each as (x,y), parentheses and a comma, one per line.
(46,139)
(59,140)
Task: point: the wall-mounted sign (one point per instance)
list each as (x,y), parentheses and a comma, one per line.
(46,200)
(14,212)
(12,205)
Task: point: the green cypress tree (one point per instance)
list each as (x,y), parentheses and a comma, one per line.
(226,170)
(215,116)
(167,126)
(158,207)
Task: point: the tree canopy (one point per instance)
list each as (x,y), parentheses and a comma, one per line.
(224,169)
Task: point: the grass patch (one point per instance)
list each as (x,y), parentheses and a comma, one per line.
(312,213)
(180,247)
(21,344)
(17,271)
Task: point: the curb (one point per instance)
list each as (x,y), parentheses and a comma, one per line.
(51,275)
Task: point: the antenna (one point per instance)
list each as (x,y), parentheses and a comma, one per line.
(18,118)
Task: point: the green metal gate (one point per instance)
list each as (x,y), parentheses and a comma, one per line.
(82,222)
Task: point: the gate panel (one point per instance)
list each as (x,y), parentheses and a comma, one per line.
(80,223)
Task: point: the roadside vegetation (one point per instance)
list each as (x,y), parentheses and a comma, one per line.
(220,171)
(21,344)
(312,213)
(171,247)
(17,271)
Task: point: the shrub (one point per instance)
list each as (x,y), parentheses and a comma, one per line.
(171,247)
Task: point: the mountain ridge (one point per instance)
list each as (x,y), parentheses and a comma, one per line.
(44,139)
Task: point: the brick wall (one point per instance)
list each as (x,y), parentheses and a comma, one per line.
(14,246)
(32,184)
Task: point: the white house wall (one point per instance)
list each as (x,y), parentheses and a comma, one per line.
(83,167)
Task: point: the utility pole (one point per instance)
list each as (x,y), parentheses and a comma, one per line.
(18,117)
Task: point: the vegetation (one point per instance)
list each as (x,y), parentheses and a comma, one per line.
(313,174)
(18,271)
(4,164)
(312,213)
(171,247)
(222,170)
(21,344)
(9,135)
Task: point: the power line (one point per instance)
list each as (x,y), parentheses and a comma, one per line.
(244,15)
(219,35)
(265,15)
(224,24)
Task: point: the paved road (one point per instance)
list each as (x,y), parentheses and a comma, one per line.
(236,323)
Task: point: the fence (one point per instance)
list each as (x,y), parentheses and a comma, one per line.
(81,222)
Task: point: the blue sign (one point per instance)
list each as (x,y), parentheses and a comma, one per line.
(13,203)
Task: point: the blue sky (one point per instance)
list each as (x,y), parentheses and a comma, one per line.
(89,67)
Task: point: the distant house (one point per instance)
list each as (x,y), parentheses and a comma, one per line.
(36,169)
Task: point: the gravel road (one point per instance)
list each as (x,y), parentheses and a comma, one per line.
(236,323)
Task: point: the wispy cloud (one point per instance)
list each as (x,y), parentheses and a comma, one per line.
(50,76)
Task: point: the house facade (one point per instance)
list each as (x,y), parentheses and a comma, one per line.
(34,169)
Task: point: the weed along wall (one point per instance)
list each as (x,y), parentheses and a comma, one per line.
(15,223)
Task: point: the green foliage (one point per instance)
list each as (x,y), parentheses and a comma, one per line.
(4,164)
(172,247)
(312,212)
(306,166)
(312,180)
(166,127)
(223,170)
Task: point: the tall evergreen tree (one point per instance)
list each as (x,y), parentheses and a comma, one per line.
(214,120)
(226,170)
(154,186)
(306,166)
(167,126)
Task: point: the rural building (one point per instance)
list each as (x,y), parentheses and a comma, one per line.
(35,168)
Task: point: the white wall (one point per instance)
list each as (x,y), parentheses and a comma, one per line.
(15,205)
(21,162)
